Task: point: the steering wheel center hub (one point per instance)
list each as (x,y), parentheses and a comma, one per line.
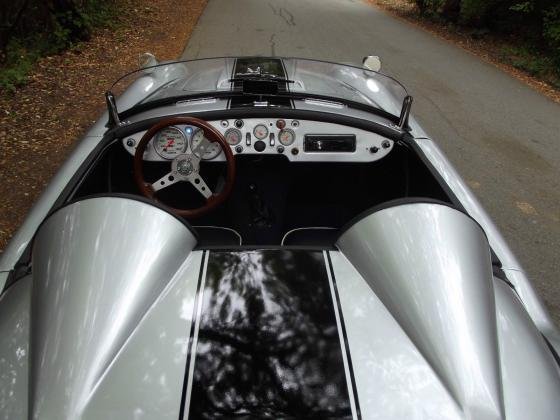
(185,166)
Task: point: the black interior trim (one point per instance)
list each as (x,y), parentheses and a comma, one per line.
(412,142)
(229,94)
(552,350)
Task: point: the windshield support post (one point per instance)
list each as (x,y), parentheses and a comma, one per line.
(114,119)
(405,112)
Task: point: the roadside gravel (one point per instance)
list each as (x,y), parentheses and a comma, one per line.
(40,123)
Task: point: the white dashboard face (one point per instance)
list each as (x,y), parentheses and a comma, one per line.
(298,140)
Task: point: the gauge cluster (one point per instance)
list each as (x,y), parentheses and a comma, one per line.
(298,140)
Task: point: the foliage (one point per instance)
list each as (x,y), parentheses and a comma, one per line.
(551,32)
(30,29)
(534,24)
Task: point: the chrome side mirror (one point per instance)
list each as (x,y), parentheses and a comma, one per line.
(147,60)
(372,62)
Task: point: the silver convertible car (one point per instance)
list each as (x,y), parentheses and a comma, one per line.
(267,238)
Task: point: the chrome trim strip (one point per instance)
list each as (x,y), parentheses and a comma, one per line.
(225,228)
(304,228)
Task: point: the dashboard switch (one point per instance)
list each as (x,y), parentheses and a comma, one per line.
(280,124)
(260,146)
(272,141)
(280,149)
(239,149)
(248,139)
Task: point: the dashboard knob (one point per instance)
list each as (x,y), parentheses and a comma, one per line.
(260,146)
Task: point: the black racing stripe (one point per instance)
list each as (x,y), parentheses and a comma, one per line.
(191,338)
(268,342)
(343,327)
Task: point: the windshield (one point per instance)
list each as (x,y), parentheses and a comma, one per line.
(292,77)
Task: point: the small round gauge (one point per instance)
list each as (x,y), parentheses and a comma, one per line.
(233,136)
(213,149)
(170,142)
(260,131)
(286,137)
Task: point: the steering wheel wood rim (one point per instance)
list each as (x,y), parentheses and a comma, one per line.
(212,135)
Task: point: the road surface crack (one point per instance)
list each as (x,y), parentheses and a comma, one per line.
(272,44)
(284,14)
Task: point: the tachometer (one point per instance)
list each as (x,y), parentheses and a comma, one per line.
(233,136)
(286,137)
(260,131)
(212,150)
(170,142)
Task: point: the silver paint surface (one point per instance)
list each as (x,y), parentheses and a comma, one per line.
(511,265)
(530,375)
(395,381)
(98,266)
(430,266)
(14,350)
(146,377)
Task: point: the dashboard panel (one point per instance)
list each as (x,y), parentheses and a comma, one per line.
(298,140)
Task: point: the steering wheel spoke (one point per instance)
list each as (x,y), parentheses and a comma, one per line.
(165,181)
(200,185)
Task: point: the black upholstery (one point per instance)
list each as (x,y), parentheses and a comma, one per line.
(311,236)
(217,236)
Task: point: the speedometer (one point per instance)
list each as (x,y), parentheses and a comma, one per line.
(286,137)
(170,142)
(260,131)
(233,136)
(212,149)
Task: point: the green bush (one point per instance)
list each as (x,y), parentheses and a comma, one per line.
(534,23)
(38,28)
(551,33)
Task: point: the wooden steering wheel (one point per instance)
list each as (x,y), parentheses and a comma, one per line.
(186,166)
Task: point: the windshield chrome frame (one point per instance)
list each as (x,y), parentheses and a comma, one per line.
(400,120)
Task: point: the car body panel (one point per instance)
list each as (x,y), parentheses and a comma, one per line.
(147,370)
(109,272)
(509,262)
(404,366)
(15,305)
(98,266)
(397,250)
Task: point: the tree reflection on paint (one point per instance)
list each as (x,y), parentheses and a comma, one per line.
(268,343)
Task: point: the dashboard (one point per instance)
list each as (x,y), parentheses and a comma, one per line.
(298,140)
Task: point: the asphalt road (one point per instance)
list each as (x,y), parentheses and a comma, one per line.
(502,136)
